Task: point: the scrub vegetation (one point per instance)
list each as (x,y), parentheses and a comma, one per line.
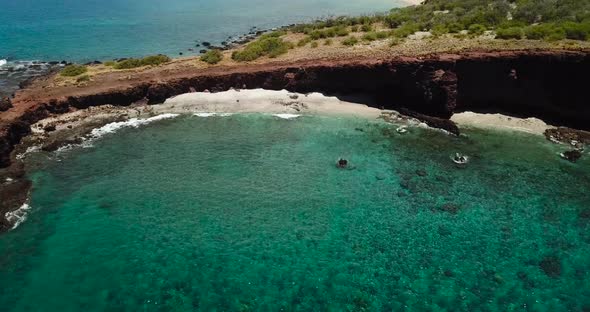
(152,60)
(212,57)
(73,70)
(508,19)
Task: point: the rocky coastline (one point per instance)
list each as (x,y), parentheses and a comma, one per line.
(549,85)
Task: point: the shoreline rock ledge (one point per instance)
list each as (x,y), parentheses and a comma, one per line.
(549,85)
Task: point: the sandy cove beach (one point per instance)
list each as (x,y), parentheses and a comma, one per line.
(75,127)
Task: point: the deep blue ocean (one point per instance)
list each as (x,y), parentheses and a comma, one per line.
(86,30)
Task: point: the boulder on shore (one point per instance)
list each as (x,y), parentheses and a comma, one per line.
(5,104)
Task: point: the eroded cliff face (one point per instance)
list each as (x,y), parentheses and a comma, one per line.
(549,85)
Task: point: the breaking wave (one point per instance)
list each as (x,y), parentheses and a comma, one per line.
(133,123)
(286,116)
(18,216)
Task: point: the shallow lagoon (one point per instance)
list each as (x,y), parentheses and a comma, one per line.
(249,212)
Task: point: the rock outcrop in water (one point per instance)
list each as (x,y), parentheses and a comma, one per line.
(550,85)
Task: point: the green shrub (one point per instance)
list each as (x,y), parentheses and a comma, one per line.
(383,34)
(273,34)
(328,42)
(456,28)
(128,63)
(509,33)
(350,41)
(314,44)
(575,31)
(557,33)
(394,20)
(354,28)
(477,29)
(269,46)
(110,63)
(303,42)
(331,32)
(153,60)
(212,57)
(406,30)
(370,36)
(83,78)
(439,30)
(366,28)
(341,31)
(395,42)
(73,70)
(538,32)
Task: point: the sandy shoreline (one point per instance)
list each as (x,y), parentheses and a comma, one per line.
(82,127)
(500,122)
(75,127)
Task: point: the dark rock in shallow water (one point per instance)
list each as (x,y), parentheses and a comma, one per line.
(450,208)
(179,53)
(206,44)
(567,135)
(5,104)
(585,214)
(572,156)
(421,172)
(434,122)
(56,144)
(93,63)
(551,265)
(444,231)
(203,51)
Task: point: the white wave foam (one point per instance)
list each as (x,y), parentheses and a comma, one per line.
(112,128)
(204,115)
(3,62)
(30,149)
(18,216)
(286,116)
(133,123)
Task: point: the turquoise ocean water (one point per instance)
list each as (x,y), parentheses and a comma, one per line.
(35,32)
(249,213)
(86,30)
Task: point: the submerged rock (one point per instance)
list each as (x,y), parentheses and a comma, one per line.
(450,208)
(342,163)
(585,214)
(551,265)
(572,156)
